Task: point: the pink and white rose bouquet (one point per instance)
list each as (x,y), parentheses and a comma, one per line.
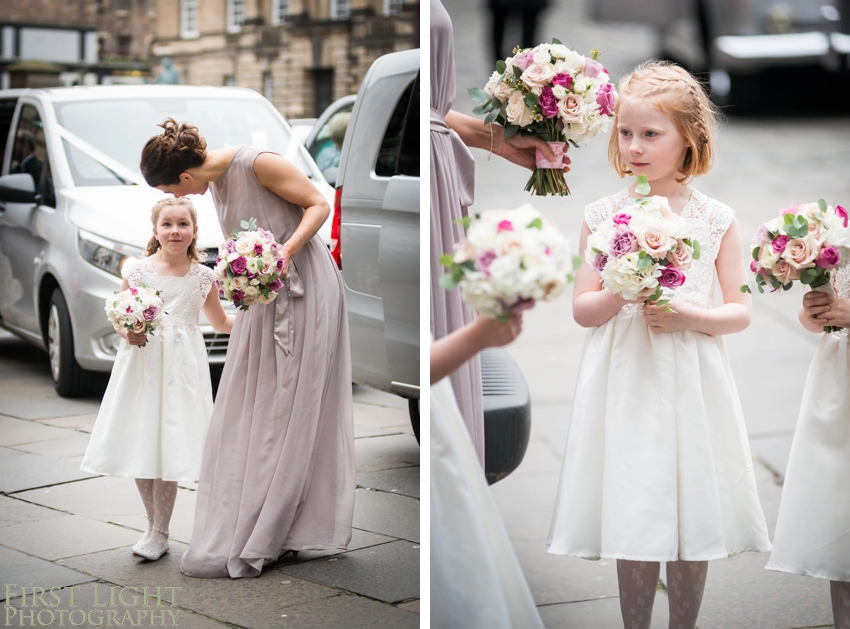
(509,260)
(137,309)
(249,267)
(805,243)
(643,251)
(554,93)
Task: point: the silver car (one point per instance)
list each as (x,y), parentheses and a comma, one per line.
(74,206)
(376,227)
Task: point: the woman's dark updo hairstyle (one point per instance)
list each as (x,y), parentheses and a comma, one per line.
(175,151)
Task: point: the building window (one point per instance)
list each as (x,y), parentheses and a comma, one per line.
(189,19)
(229,80)
(393,7)
(124,45)
(340,9)
(280,11)
(268,86)
(235,15)
(323,86)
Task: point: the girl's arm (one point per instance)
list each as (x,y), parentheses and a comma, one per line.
(282,177)
(451,351)
(819,310)
(214,312)
(735,313)
(518,149)
(592,306)
(133,338)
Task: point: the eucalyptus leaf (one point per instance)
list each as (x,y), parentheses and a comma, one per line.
(531,99)
(491,117)
(517,72)
(479,110)
(697,251)
(573,142)
(644,263)
(446,259)
(576,262)
(822,205)
(756,253)
(447,282)
(555,40)
(466,221)
(746,289)
(537,223)
(478,95)
(501,66)
(642,186)
(510,130)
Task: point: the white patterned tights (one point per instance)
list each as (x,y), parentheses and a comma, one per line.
(638,582)
(158,497)
(840,592)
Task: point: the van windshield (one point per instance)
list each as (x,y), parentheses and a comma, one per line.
(119,128)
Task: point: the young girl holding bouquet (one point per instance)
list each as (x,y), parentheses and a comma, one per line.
(813,529)
(154,415)
(657,464)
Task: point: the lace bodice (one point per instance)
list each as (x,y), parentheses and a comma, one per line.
(710,220)
(184,297)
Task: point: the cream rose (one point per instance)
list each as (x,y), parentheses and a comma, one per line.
(682,256)
(139,326)
(559,51)
(801,253)
(541,57)
(538,75)
(559,91)
(252,291)
(518,112)
(503,92)
(655,240)
(784,272)
(238,283)
(570,108)
(243,246)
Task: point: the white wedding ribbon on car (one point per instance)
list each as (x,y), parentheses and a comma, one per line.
(117,168)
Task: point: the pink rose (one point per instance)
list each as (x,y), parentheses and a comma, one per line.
(784,272)
(621,219)
(605,99)
(623,243)
(548,103)
(280,262)
(779,243)
(134,292)
(258,249)
(563,79)
(238,296)
(276,285)
(129,310)
(801,253)
(656,241)
(592,68)
(505,226)
(239,265)
(682,257)
(600,261)
(523,59)
(570,108)
(671,277)
(230,246)
(791,209)
(840,212)
(150,313)
(485,259)
(762,235)
(754,266)
(538,75)
(829,257)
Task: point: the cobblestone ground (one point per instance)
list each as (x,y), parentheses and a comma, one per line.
(60,527)
(763,165)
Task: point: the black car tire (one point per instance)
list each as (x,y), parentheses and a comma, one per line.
(413,408)
(69,378)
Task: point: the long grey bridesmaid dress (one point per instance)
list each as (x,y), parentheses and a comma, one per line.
(452,173)
(278,466)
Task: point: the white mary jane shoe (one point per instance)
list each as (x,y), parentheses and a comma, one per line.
(143,551)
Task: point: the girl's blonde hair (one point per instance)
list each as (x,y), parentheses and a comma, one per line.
(153,243)
(680,96)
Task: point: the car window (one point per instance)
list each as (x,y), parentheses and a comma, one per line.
(29,154)
(7,112)
(387,164)
(408,157)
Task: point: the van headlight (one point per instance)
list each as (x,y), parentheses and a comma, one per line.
(106,254)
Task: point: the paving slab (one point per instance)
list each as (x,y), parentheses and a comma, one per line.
(14,511)
(22,570)
(361,432)
(600,614)
(402,480)
(20,471)
(92,605)
(182,518)
(85,423)
(389,572)
(411,606)
(387,514)
(35,398)
(359,539)
(774,451)
(366,395)
(349,611)
(380,416)
(66,536)
(256,602)
(382,453)
(15,431)
(71,445)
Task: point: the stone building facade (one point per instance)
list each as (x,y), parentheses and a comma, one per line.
(301,54)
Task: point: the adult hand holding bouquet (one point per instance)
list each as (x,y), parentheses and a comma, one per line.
(553,93)
(249,267)
(806,243)
(137,310)
(508,261)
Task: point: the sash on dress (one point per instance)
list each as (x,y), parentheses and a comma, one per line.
(284,321)
(464,162)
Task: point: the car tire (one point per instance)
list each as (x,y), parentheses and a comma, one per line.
(69,378)
(413,408)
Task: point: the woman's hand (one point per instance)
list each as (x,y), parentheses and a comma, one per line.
(290,248)
(668,318)
(823,310)
(521,150)
(133,338)
(495,333)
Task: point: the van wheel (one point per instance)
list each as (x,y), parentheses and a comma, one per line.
(413,408)
(69,378)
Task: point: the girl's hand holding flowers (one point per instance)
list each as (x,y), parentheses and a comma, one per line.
(133,338)
(825,310)
(667,318)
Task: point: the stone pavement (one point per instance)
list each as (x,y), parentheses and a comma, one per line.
(60,527)
(762,166)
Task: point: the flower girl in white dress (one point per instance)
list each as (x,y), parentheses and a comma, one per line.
(657,464)
(813,528)
(154,415)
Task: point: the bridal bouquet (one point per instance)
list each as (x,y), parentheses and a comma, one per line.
(805,243)
(553,93)
(137,309)
(249,267)
(509,260)
(643,250)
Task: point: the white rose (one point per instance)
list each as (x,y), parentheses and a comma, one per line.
(572,63)
(243,246)
(541,57)
(559,91)
(559,51)
(518,112)
(538,75)
(492,83)
(252,291)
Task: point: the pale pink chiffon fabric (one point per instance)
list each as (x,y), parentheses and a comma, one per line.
(278,466)
(452,174)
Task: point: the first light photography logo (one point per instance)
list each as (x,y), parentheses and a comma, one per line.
(112,606)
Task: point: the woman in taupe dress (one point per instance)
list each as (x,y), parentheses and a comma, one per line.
(278,467)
